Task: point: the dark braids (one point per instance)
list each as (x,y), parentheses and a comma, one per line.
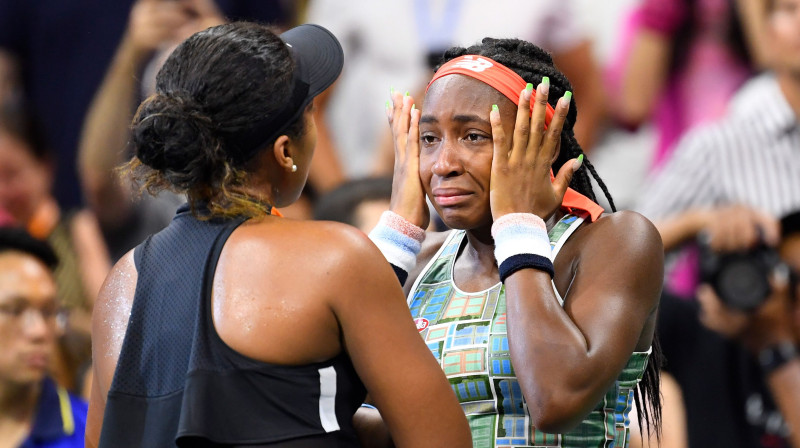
(532,63)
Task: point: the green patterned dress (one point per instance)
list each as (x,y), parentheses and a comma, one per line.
(466,332)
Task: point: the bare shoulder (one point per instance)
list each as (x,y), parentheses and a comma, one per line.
(621,252)
(320,245)
(110,317)
(627,231)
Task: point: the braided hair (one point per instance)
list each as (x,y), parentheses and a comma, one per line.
(532,63)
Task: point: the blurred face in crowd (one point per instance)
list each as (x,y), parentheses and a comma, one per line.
(24,180)
(28,318)
(783,33)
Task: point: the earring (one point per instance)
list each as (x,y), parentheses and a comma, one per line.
(294,168)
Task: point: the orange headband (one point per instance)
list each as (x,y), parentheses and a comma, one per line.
(510,84)
(490,72)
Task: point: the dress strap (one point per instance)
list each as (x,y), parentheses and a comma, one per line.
(449,246)
(559,234)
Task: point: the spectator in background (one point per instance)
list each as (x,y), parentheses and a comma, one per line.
(377,58)
(154,28)
(739,371)
(359,203)
(676,51)
(61,49)
(732,179)
(26,181)
(153,25)
(34,411)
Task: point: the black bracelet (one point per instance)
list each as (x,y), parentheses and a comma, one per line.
(775,356)
(514,263)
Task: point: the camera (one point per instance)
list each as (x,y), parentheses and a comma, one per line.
(740,279)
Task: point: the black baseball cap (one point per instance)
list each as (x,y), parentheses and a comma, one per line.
(318,59)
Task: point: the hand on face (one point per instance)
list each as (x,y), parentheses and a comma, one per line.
(520,180)
(408,196)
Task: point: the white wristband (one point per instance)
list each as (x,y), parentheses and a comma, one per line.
(398,240)
(520,233)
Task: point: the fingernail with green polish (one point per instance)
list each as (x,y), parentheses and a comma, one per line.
(568,95)
(529,87)
(546,80)
(406,93)
(387,104)
(391,90)
(495,108)
(577,163)
(413,107)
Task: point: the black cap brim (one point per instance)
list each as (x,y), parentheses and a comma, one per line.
(320,54)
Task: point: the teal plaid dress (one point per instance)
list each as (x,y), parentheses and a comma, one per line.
(466,332)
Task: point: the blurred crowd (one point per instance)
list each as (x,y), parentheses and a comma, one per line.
(690,110)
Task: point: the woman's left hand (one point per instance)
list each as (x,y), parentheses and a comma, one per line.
(520,181)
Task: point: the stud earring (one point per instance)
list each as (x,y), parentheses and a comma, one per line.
(294,168)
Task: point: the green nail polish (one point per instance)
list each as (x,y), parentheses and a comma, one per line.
(495,108)
(387,104)
(391,90)
(529,87)
(577,163)
(413,107)
(406,93)
(568,95)
(545,80)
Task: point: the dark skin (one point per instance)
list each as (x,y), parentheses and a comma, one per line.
(476,166)
(323,280)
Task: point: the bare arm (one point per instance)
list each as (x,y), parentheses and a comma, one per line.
(105,133)
(644,77)
(390,357)
(607,292)
(579,66)
(729,228)
(751,14)
(109,324)
(94,266)
(326,169)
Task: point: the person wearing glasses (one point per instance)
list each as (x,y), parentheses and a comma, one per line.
(34,411)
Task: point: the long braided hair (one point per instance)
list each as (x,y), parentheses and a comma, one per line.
(532,63)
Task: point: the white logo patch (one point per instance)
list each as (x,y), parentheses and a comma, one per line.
(474,64)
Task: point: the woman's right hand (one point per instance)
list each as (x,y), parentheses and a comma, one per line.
(408,196)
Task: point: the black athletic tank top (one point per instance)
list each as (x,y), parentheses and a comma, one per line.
(178,384)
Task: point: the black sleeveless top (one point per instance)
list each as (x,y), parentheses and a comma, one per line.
(178,384)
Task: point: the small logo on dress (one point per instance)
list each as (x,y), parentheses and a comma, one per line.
(422,323)
(474,64)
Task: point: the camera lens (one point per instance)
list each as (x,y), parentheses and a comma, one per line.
(743,284)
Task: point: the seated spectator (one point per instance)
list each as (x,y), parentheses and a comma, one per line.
(34,411)
(359,203)
(26,179)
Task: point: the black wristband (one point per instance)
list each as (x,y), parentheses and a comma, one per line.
(775,356)
(514,263)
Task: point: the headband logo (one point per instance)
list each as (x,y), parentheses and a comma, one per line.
(476,65)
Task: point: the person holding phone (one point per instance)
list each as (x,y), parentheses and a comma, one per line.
(233,326)
(539,307)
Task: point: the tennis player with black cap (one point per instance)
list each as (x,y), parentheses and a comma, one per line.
(234,326)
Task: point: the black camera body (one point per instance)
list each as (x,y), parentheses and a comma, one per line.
(740,279)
